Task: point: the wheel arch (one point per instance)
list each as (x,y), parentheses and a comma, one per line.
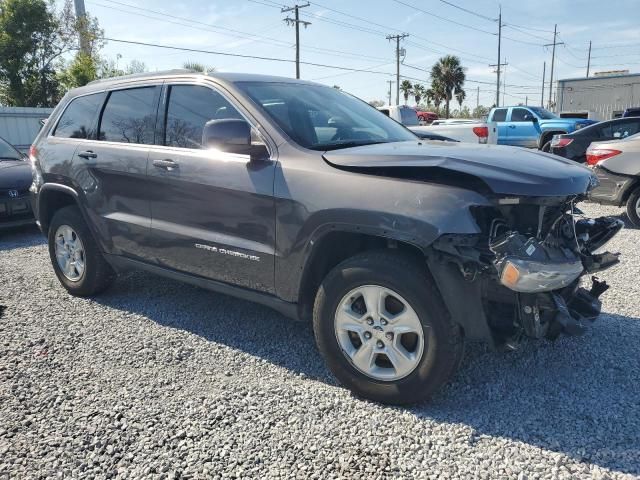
(333,246)
(51,198)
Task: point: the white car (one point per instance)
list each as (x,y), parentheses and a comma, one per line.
(617,166)
(456,129)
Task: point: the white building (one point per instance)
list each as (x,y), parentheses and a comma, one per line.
(603,96)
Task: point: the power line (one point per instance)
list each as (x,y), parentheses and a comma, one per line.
(239,55)
(444,18)
(469,11)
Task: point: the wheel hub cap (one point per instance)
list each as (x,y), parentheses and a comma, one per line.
(70,253)
(379,332)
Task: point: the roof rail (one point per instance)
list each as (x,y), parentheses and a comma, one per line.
(143,74)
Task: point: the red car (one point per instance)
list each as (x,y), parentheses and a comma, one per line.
(427,117)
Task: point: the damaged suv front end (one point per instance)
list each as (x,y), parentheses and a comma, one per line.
(529,263)
(528,267)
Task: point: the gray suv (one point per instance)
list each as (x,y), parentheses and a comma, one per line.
(303,198)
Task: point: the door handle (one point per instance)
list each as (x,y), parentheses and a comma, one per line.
(166,164)
(88,154)
(512,126)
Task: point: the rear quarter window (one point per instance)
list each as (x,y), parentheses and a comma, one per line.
(499,115)
(79,118)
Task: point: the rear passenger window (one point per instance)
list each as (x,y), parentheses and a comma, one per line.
(189,108)
(500,115)
(129,116)
(78,119)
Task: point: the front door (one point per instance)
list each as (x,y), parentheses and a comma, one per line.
(522,131)
(213,213)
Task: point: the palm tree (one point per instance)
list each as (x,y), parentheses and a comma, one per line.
(406,88)
(418,92)
(450,75)
(460,96)
(435,94)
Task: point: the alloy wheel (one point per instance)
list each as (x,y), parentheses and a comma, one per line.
(379,332)
(70,253)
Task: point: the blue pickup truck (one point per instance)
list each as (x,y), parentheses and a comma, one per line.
(531,126)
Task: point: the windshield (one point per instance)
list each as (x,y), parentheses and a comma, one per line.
(7,152)
(542,113)
(324,118)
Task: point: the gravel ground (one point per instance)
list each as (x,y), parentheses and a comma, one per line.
(158,379)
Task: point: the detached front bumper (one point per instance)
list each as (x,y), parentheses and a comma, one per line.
(522,286)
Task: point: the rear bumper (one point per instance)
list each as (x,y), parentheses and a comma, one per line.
(15,212)
(613,187)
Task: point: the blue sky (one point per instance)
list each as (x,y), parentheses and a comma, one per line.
(350,33)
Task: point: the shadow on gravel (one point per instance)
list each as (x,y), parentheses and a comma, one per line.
(576,396)
(20,237)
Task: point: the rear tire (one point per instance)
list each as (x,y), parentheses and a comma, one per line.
(75,256)
(633,207)
(419,361)
(546,147)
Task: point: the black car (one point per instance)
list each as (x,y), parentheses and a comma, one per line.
(15,180)
(304,198)
(574,145)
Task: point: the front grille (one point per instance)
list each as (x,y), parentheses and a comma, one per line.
(22,192)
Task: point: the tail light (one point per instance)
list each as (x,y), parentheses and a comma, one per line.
(559,142)
(35,170)
(482,133)
(596,155)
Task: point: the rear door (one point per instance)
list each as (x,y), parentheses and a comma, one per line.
(113,170)
(522,131)
(500,118)
(213,212)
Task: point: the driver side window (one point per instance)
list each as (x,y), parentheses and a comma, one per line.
(189,108)
(521,115)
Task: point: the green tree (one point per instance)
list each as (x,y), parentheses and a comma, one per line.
(377,103)
(34,37)
(436,94)
(82,70)
(418,93)
(449,74)
(198,67)
(406,86)
(480,111)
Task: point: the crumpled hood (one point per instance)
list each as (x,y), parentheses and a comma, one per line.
(505,170)
(15,174)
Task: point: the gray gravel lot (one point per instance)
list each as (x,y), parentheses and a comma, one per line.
(163,380)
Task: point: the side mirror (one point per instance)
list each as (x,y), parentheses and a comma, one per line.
(534,119)
(233,135)
(228,135)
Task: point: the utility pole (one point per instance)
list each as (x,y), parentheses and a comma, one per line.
(526,100)
(553,59)
(296,22)
(498,70)
(390,82)
(397,38)
(499,45)
(81,16)
(589,59)
(544,72)
(478,98)
(504,82)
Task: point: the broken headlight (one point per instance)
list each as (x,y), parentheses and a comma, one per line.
(528,276)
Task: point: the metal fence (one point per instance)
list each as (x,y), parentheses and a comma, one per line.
(20,125)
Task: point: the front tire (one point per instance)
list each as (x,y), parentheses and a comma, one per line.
(75,256)
(383,329)
(633,207)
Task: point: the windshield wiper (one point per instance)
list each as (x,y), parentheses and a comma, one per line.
(339,145)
